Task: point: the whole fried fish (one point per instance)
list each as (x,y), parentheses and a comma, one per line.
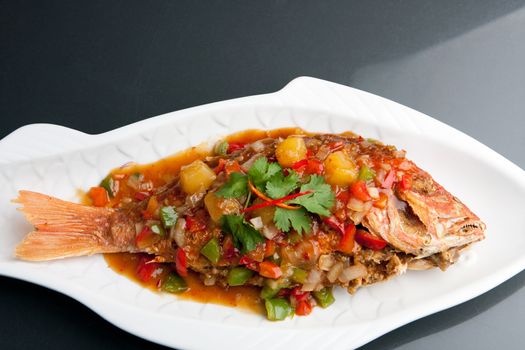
(342,209)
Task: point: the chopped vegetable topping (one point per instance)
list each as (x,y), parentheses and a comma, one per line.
(359,191)
(389,179)
(277,309)
(158,229)
(303,308)
(239,276)
(221,148)
(406,182)
(346,244)
(270,270)
(235,146)
(366,173)
(368,240)
(268,292)
(110,185)
(168,216)
(245,236)
(99,196)
(299,275)
(181,263)
(174,284)
(324,297)
(211,250)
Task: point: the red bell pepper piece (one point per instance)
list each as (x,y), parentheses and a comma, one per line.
(314,166)
(269,248)
(220,167)
(298,166)
(359,191)
(145,269)
(346,244)
(99,196)
(181,264)
(368,240)
(270,270)
(299,295)
(303,308)
(235,146)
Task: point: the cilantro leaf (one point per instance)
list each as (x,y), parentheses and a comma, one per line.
(261,171)
(320,200)
(279,185)
(298,219)
(236,186)
(245,236)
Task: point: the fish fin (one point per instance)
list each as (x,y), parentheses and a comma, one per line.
(63,229)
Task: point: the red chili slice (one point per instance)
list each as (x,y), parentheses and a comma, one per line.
(368,240)
(335,224)
(249,263)
(406,182)
(181,264)
(389,179)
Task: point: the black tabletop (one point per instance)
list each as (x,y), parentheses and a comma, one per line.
(98,65)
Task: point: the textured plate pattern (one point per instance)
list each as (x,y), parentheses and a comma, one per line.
(58,161)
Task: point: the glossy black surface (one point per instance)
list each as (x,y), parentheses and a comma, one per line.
(97,65)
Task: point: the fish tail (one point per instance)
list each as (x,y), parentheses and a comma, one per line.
(63,229)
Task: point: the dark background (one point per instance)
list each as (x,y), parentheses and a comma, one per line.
(98,65)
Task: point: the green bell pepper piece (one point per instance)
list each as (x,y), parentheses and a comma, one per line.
(277,309)
(108,184)
(365,173)
(211,250)
(324,297)
(174,284)
(222,148)
(299,275)
(238,276)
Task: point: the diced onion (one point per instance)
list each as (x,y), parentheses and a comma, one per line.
(257,222)
(326,261)
(355,204)
(177,232)
(313,279)
(270,231)
(257,146)
(335,271)
(373,192)
(352,272)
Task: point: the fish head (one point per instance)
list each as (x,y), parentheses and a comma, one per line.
(424,219)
